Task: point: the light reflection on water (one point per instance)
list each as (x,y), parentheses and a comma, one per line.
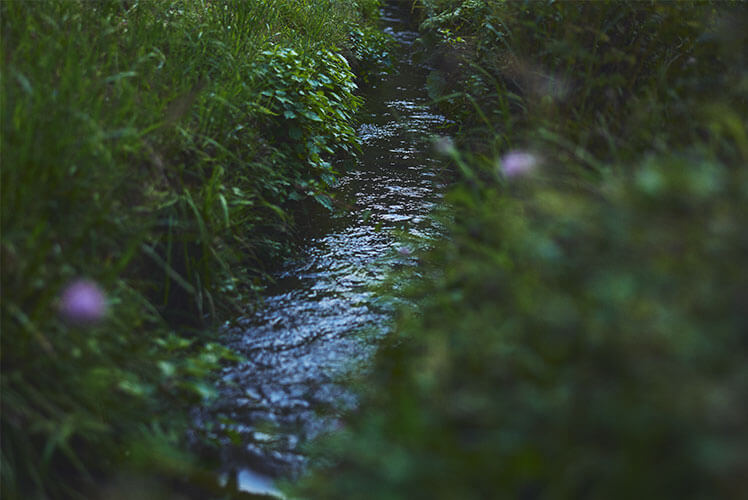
(308,334)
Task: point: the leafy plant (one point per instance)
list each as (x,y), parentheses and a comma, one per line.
(371,50)
(313,98)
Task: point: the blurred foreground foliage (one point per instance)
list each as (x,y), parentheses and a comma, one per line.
(581,330)
(154,148)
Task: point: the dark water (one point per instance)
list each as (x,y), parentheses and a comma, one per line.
(320,319)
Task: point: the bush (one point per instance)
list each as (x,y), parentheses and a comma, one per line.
(609,77)
(579,332)
(567,345)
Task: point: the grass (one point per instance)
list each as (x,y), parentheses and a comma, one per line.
(145,149)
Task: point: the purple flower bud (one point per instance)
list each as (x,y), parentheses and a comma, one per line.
(404,251)
(83,301)
(518,163)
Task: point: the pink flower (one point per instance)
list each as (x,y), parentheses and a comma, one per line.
(83,301)
(518,163)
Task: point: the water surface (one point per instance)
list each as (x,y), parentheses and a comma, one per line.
(320,318)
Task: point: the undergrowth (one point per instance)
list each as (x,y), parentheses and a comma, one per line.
(151,156)
(580,332)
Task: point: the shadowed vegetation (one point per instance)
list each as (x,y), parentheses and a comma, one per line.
(580,332)
(152,154)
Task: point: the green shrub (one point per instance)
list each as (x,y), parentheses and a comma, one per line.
(579,331)
(371,51)
(609,77)
(309,103)
(565,343)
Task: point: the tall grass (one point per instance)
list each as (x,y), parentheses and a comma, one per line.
(140,151)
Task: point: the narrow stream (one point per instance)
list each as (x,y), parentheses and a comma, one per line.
(316,320)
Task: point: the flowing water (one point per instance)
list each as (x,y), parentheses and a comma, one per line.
(320,319)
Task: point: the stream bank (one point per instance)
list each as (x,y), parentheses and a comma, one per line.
(148,164)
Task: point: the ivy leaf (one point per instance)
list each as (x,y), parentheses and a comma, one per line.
(312,116)
(324,200)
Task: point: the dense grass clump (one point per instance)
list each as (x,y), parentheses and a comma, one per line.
(580,332)
(150,155)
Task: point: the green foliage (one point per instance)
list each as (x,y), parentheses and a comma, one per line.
(579,332)
(144,148)
(309,103)
(369,9)
(607,76)
(371,50)
(567,344)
